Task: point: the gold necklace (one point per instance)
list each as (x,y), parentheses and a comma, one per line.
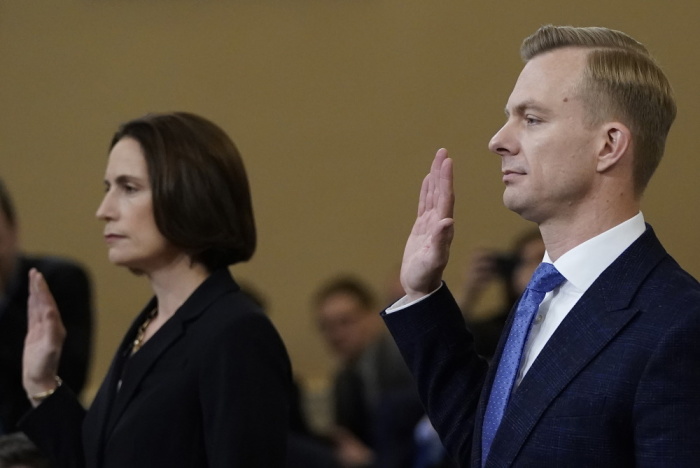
(141,333)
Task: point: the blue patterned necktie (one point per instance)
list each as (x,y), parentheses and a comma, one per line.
(545,279)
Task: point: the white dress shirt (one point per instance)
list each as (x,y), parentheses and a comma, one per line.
(581,266)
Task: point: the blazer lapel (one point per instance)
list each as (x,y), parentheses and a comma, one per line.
(93,425)
(96,421)
(136,367)
(595,320)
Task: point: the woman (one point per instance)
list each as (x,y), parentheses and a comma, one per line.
(201,378)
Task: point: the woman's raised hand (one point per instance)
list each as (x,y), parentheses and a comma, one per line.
(44,340)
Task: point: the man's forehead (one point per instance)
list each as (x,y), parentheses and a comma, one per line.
(551,75)
(561,65)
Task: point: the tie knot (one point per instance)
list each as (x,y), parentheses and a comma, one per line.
(545,278)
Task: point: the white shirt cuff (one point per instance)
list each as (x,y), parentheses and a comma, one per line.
(404,302)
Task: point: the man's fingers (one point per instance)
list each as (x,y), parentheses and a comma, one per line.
(423,195)
(434,180)
(446,198)
(444,234)
(432,187)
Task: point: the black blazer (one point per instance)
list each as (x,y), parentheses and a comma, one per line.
(209,389)
(617,384)
(70,286)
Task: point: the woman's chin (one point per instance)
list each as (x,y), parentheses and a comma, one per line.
(120,260)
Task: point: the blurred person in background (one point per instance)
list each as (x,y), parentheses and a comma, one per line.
(305,448)
(70,284)
(511,271)
(17,451)
(376,404)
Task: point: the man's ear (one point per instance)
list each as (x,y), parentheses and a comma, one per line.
(616,141)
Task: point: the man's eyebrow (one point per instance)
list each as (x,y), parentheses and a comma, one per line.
(525,106)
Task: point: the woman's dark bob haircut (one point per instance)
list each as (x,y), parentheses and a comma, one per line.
(201,196)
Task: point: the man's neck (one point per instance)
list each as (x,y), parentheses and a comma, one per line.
(560,236)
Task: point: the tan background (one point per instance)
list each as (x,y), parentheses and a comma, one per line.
(337,107)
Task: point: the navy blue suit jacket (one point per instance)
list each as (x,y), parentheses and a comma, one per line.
(617,385)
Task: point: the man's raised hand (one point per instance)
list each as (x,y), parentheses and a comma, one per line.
(428,246)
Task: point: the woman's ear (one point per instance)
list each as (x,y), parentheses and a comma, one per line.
(616,142)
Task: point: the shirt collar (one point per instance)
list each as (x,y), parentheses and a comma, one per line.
(582,265)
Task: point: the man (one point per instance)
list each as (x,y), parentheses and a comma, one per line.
(71,287)
(372,380)
(608,376)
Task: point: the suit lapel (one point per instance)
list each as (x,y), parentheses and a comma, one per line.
(96,426)
(136,368)
(594,321)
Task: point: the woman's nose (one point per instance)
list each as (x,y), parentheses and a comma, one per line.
(105,210)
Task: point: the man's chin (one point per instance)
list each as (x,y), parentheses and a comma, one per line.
(517,204)
(512,200)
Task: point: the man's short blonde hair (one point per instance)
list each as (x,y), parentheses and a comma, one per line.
(621,82)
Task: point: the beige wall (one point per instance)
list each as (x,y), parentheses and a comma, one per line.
(337,107)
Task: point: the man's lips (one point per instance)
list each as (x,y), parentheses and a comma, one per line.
(510,175)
